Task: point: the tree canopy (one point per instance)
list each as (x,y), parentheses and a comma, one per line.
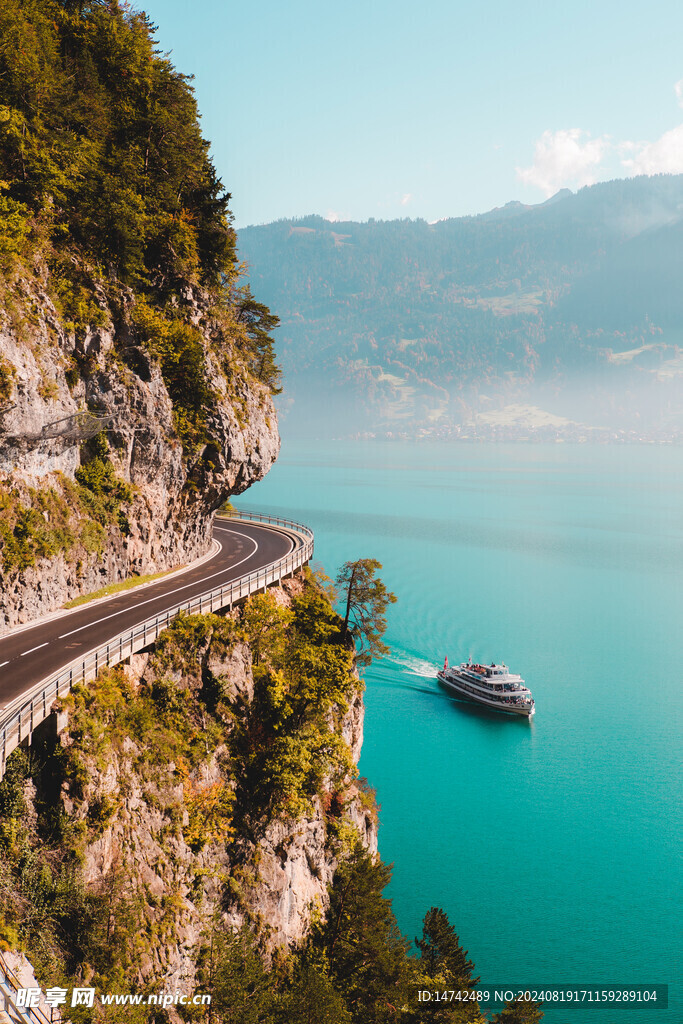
(365,600)
(441,952)
(106,179)
(100,143)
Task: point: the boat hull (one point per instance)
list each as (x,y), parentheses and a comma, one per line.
(511,709)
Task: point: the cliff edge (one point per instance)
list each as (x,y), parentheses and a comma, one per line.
(136,367)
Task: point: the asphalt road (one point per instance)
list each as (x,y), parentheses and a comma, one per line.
(29,654)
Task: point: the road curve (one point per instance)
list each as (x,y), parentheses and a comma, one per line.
(32,653)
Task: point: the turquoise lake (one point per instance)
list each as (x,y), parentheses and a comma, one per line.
(553,845)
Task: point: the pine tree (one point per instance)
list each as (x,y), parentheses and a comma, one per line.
(366,599)
(441,952)
(368,956)
(232,970)
(312,998)
(519,1011)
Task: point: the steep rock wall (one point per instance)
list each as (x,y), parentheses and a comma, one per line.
(149,850)
(57,373)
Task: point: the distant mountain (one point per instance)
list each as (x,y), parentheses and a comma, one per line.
(574,306)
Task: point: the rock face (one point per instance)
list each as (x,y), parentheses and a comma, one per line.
(58,375)
(279,880)
(296,861)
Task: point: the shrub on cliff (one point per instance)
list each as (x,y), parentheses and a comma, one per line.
(287,742)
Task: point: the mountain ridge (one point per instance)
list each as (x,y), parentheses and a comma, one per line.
(504,307)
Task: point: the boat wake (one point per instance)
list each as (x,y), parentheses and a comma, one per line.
(411,664)
(398,669)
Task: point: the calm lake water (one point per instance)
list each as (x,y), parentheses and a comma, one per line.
(554,845)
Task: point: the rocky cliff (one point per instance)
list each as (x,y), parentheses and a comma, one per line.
(66,385)
(136,367)
(139,823)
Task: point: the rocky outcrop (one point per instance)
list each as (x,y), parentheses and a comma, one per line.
(64,383)
(294,862)
(147,848)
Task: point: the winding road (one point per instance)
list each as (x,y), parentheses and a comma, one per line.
(28,654)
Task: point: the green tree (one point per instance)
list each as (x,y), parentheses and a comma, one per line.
(441,952)
(265,623)
(365,598)
(443,966)
(259,322)
(232,969)
(367,954)
(312,997)
(519,1011)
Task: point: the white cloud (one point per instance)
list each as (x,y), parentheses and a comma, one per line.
(405,199)
(568,158)
(664,156)
(572,158)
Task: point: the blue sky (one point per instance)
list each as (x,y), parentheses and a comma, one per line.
(435,109)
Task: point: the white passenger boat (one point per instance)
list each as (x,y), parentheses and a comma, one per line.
(492,685)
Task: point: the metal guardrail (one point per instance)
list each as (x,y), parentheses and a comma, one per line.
(10,986)
(20,718)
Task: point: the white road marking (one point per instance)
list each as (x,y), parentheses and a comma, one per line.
(177,591)
(3,663)
(24,653)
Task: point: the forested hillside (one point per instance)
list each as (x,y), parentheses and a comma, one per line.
(136,368)
(575,305)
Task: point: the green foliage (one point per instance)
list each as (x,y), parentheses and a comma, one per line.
(311,997)
(259,322)
(178,348)
(367,954)
(365,599)
(12,803)
(7,374)
(286,743)
(519,1011)
(39,530)
(232,970)
(266,623)
(441,952)
(66,519)
(14,221)
(443,966)
(99,135)
(74,293)
(103,493)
